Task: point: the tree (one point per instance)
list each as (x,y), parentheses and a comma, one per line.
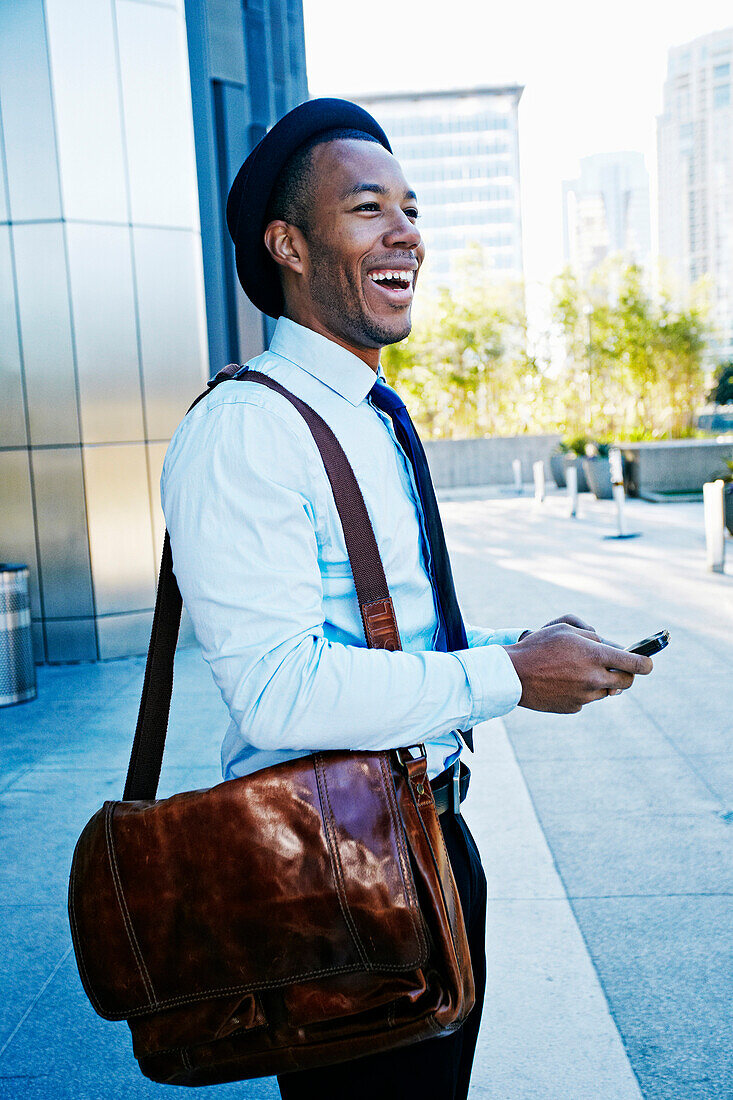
(722,391)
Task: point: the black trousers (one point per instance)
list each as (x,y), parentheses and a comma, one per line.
(436,1069)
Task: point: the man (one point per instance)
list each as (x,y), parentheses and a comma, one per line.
(325,231)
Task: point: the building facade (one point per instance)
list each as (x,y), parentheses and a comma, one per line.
(460,151)
(121,125)
(695,157)
(606,211)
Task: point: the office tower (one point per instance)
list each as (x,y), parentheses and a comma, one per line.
(695,156)
(459,150)
(123,124)
(606,212)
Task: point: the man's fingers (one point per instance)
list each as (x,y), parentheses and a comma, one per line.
(618,681)
(571,620)
(621,659)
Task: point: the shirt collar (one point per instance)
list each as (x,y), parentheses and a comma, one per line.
(339,369)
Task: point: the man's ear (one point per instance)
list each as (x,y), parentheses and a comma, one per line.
(285,243)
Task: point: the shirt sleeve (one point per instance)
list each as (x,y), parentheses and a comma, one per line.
(237,494)
(479,636)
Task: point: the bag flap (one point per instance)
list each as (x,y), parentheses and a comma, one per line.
(293,873)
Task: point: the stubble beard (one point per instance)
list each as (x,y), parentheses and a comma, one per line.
(340,305)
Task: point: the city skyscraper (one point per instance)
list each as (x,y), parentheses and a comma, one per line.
(460,151)
(695,154)
(606,211)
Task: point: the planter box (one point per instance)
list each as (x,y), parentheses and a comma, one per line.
(557,467)
(573,460)
(672,466)
(598,475)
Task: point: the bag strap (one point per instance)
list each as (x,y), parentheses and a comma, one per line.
(375,603)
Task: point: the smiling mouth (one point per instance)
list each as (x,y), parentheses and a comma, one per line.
(391,280)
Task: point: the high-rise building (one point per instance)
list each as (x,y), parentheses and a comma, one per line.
(122,125)
(460,151)
(695,154)
(606,212)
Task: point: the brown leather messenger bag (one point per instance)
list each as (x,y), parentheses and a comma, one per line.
(302,915)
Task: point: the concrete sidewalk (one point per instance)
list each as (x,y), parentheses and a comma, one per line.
(606,836)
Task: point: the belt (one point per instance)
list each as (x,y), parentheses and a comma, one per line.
(450,788)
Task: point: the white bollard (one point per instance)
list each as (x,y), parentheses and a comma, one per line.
(617,486)
(517,468)
(571,480)
(714,508)
(538,473)
(616,465)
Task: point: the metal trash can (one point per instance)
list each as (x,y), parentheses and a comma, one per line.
(17,668)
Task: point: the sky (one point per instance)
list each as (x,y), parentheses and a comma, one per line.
(593,76)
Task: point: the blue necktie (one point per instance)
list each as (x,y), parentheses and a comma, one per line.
(451,632)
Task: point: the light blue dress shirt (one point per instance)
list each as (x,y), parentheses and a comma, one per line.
(261,563)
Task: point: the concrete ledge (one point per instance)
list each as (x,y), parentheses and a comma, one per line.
(458,462)
(673,465)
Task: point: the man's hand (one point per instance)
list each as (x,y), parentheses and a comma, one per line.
(562,667)
(571,620)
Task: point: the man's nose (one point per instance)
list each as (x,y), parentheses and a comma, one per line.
(403,233)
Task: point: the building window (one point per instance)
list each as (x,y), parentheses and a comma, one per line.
(721,95)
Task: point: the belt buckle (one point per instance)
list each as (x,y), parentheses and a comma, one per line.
(457,788)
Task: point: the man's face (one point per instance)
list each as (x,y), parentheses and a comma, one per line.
(363,249)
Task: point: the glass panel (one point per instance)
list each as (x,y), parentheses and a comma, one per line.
(17,537)
(12,412)
(226,40)
(157,112)
(25,101)
(87,106)
(172,324)
(100,266)
(124,635)
(71,640)
(62,532)
(43,304)
(118,509)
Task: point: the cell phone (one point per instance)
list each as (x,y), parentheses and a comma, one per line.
(649,646)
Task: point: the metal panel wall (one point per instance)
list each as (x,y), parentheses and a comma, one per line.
(105,291)
(105,332)
(12,408)
(45,328)
(87,107)
(27,111)
(101,305)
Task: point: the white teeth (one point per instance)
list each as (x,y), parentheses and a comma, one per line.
(381,276)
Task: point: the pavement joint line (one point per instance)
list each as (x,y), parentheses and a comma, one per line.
(682,755)
(499,769)
(35,1000)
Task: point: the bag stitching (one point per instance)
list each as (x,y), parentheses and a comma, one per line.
(137,953)
(224,991)
(456,903)
(407,878)
(84,973)
(336,860)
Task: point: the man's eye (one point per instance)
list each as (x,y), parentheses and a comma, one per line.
(412,212)
(368,206)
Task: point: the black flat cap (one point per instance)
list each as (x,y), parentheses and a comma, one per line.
(252,187)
